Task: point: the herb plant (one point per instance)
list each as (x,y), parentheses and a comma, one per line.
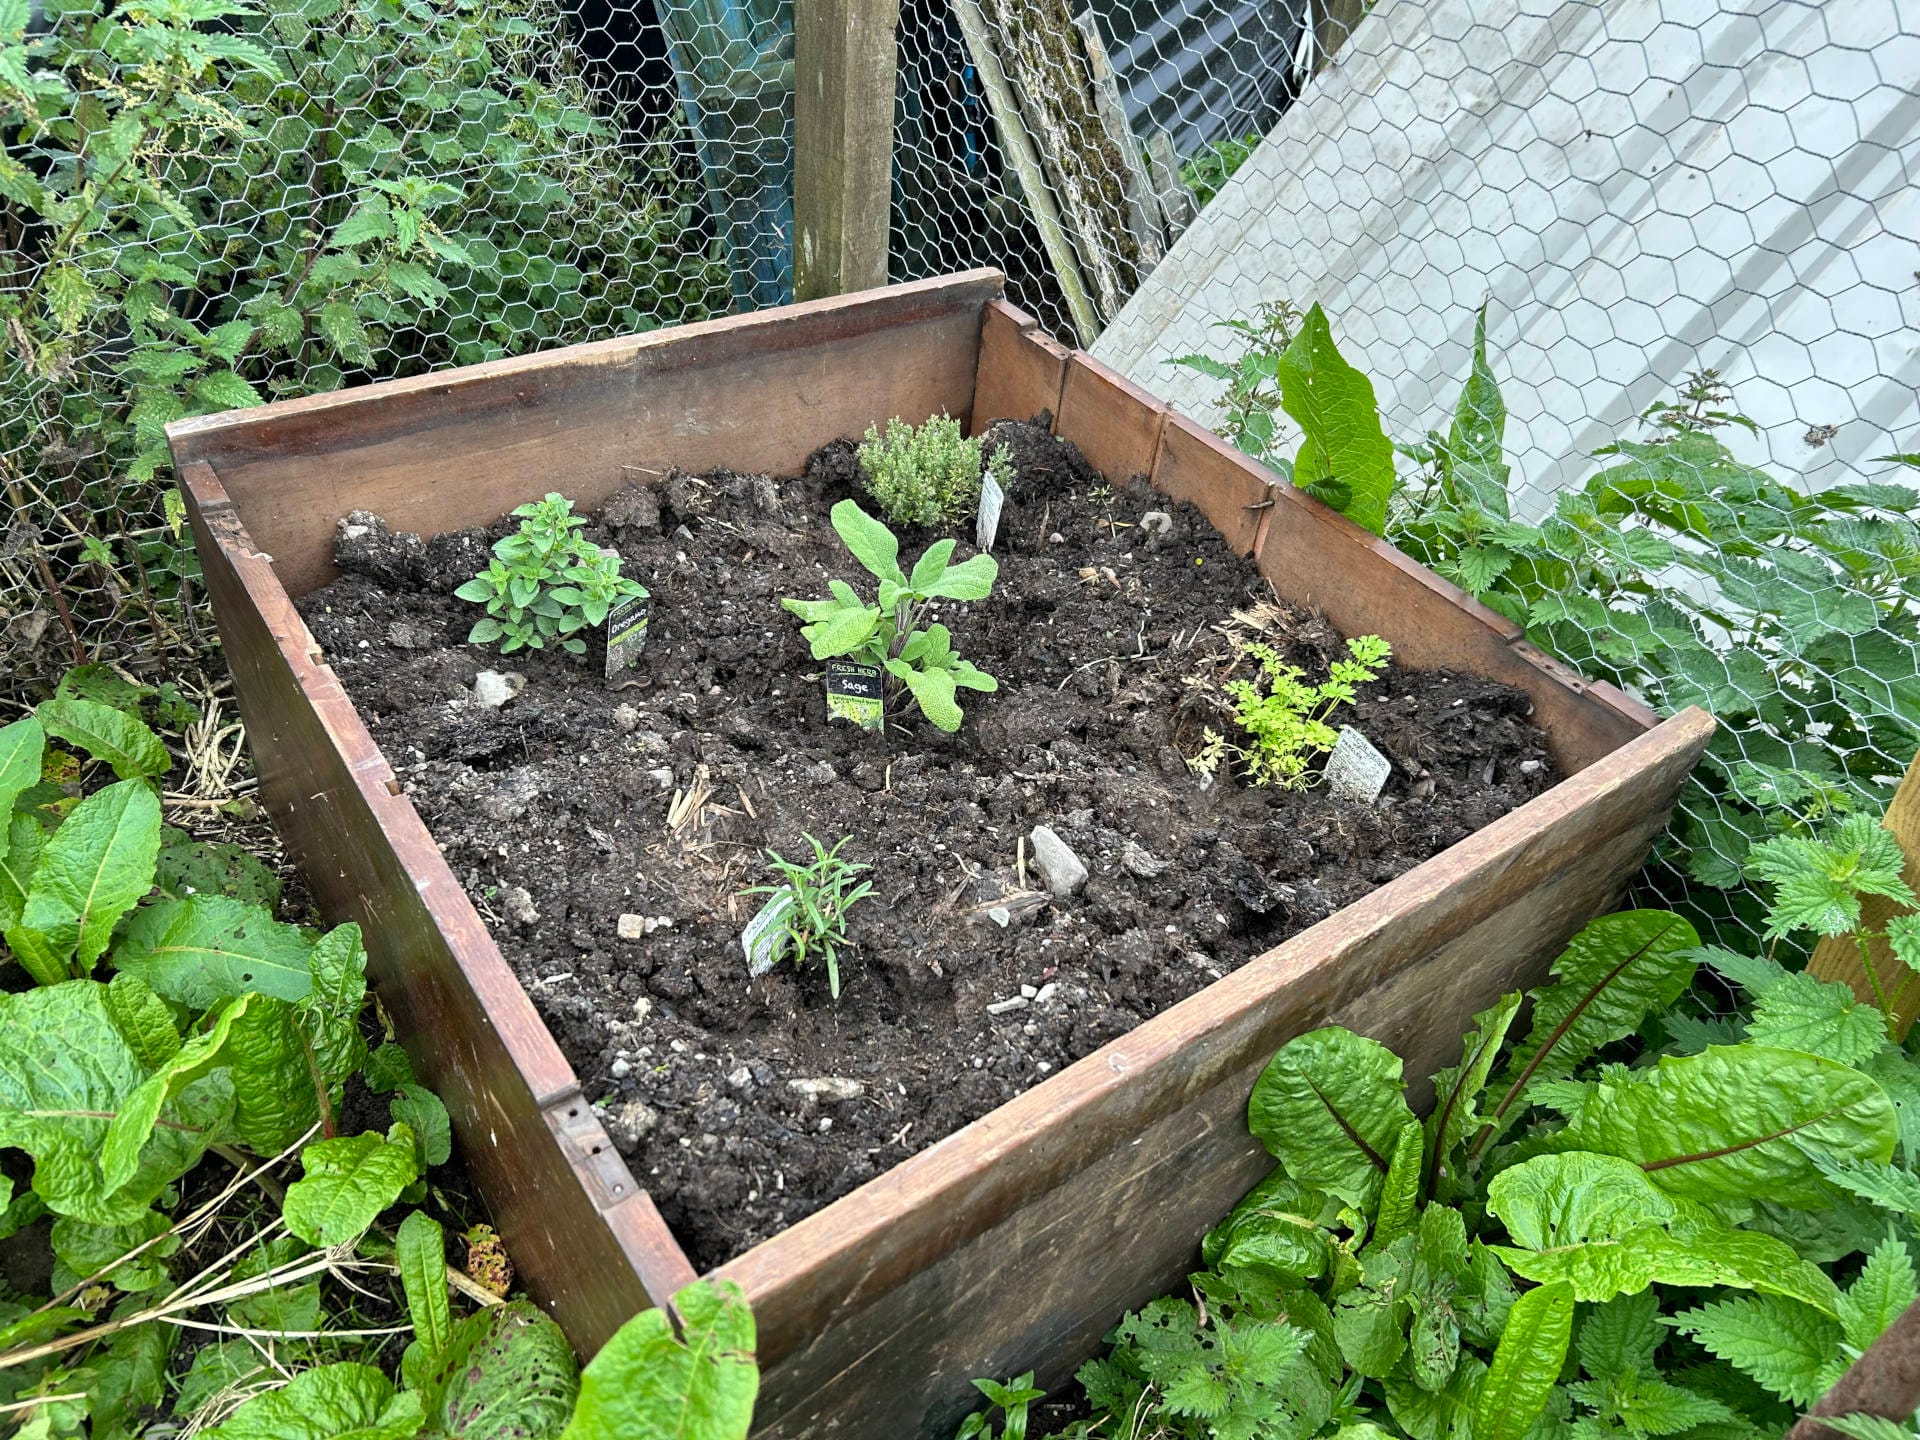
(894,634)
(820,893)
(545,582)
(926,474)
(1286,725)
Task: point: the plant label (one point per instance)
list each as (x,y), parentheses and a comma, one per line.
(856,694)
(765,937)
(987,528)
(1355,770)
(626,629)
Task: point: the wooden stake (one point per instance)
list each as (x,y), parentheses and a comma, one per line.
(1836,957)
(845,62)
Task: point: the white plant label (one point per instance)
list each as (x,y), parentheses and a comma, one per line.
(987,528)
(764,937)
(1355,770)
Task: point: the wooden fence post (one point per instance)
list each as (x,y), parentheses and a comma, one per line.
(844,62)
(1838,958)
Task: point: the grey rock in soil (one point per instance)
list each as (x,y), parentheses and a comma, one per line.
(828,1089)
(1064,871)
(628,1123)
(1137,860)
(518,903)
(630,927)
(492,689)
(626,718)
(632,507)
(412,637)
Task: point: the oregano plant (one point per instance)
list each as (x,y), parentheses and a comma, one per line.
(545,583)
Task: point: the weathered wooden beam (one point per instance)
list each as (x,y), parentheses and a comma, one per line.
(844,58)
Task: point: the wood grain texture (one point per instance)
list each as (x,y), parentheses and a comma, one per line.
(812,1284)
(844,61)
(444,452)
(1115,423)
(1233,492)
(587,1239)
(1885,1381)
(1838,958)
(1020,371)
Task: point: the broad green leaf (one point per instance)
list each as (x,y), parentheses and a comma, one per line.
(1612,975)
(422,1112)
(216,1367)
(1444,1416)
(1790,1348)
(1400,1192)
(26,841)
(189,867)
(1334,406)
(1476,470)
(88,1250)
(347,1401)
(1879,1295)
(1276,1230)
(107,734)
(1821,1017)
(207,948)
(871,542)
(1619,1337)
(1526,1363)
(389,1068)
(507,1373)
(1735,1122)
(649,1384)
(420,1254)
(1329,1107)
(66,1070)
(274,1076)
(346,1183)
(125,1380)
(927,568)
(143,1020)
(129,1131)
(1456,1090)
(92,871)
(21,745)
(1598,1222)
(933,691)
(842,631)
(970,580)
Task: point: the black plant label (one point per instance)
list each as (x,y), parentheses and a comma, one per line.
(856,694)
(626,628)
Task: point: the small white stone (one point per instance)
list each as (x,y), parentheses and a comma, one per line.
(740,1077)
(1064,871)
(829,1089)
(1157,522)
(492,689)
(1000,916)
(1029,991)
(620,1069)
(632,927)
(1002,1007)
(662,777)
(642,1008)
(1046,993)
(1531,767)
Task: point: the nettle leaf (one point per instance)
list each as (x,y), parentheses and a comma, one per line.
(507,1372)
(1821,1017)
(1790,1348)
(347,1401)
(346,1183)
(107,734)
(1456,1090)
(1612,975)
(1736,1123)
(92,871)
(188,867)
(1880,1294)
(1527,1361)
(1330,1107)
(647,1382)
(1339,419)
(66,1071)
(1598,1223)
(1818,883)
(1887,1186)
(207,948)
(1475,471)
(1620,1337)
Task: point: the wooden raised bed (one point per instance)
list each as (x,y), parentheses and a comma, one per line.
(1019,1239)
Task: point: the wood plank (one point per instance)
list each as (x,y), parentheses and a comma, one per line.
(1199,467)
(587,1239)
(1885,1381)
(1020,371)
(844,64)
(836,1263)
(1115,423)
(1316,556)
(443,452)
(1836,957)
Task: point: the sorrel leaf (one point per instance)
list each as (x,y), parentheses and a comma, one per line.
(329,1402)
(420,1255)
(1527,1362)
(506,1372)
(347,1182)
(1400,1192)
(1475,471)
(649,1384)
(1329,1107)
(207,948)
(107,734)
(92,871)
(1456,1090)
(1341,439)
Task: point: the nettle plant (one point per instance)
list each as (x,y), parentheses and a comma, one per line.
(927,474)
(545,582)
(894,634)
(1286,724)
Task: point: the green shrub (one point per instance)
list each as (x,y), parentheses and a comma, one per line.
(545,582)
(927,474)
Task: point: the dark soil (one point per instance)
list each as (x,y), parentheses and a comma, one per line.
(554,812)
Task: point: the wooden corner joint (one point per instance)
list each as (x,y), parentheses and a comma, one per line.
(589,1150)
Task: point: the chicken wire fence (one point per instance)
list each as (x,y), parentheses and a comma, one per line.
(1691,227)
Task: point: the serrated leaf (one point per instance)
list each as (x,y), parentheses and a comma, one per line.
(1736,1122)
(91,872)
(346,333)
(1620,1337)
(225,390)
(1821,1017)
(109,735)
(346,1401)
(346,1183)
(1881,1292)
(1788,1347)
(1329,1107)
(188,866)
(648,1384)
(208,948)
(1525,1364)
(1339,419)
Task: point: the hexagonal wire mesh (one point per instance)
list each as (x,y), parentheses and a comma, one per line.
(206,203)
